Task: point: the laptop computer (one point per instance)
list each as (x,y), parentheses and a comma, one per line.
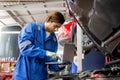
(68,54)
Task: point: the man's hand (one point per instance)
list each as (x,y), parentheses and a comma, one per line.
(53,55)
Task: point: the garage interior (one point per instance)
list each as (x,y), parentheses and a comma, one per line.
(103,35)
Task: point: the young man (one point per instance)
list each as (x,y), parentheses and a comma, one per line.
(38,45)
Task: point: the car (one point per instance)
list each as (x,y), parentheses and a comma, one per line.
(9,50)
(100,21)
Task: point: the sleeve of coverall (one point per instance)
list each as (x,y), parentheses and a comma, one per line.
(26,39)
(56,68)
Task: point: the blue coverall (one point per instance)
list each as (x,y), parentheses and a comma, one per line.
(33,45)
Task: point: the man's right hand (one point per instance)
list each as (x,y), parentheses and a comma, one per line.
(53,55)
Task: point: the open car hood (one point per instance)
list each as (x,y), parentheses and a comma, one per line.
(100,20)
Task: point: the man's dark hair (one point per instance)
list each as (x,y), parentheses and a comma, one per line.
(55,17)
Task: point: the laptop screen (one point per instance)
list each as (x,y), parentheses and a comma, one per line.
(69,52)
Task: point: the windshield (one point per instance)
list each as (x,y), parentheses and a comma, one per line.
(8,42)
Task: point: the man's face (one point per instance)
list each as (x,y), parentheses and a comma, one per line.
(53,26)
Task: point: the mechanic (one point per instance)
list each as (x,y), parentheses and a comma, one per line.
(38,45)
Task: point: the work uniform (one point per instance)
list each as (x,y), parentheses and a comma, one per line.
(33,45)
